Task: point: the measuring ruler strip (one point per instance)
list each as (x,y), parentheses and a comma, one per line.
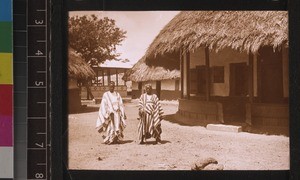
(38,139)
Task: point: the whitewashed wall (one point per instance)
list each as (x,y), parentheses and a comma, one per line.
(168,85)
(135,85)
(220,58)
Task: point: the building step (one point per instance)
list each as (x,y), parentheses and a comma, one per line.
(222,127)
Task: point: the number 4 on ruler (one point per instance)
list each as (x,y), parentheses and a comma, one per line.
(39,53)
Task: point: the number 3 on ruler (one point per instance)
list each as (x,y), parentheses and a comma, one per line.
(38,22)
(39,53)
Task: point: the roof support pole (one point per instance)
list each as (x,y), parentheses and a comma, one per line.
(250,90)
(250,78)
(117,78)
(108,75)
(207,74)
(181,73)
(188,74)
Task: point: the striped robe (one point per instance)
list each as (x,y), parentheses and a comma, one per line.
(111,117)
(150,118)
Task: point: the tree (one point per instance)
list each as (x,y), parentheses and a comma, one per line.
(95,39)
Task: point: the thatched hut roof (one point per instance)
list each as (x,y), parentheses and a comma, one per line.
(77,67)
(159,70)
(240,30)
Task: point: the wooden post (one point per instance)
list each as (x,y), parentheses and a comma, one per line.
(102,76)
(250,78)
(259,78)
(250,90)
(181,74)
(108,75)
(117,83)
(188,74)
(207,73)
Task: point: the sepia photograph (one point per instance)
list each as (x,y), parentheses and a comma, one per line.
(178,90)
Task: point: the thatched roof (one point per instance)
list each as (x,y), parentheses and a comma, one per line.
(143,70)
(240,30)
(77,67)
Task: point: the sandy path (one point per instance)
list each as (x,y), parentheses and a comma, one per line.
(182,145)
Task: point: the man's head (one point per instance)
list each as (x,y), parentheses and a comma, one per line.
(111,86)
(148,88)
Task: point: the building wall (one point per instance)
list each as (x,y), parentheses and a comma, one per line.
(74,101)
(72,83)
(255,75)
(224,58)
(135,85)
(220,58)
(197,58)
(169,85)
(168,91)
(285,71)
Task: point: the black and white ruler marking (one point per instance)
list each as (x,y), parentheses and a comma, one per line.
(38,121)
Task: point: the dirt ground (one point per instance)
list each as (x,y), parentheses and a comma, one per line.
(181,146)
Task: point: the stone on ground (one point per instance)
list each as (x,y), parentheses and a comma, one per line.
(202,163)
(222,127)
(214,167)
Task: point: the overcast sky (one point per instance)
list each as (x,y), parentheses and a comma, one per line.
(141,26)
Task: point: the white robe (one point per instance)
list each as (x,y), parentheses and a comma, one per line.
(111,117)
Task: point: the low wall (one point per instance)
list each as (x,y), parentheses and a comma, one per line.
(260,114)
(164,94)
(98,91)
(207,111)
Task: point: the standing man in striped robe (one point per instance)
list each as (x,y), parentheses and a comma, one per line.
(111,116)
(150,116)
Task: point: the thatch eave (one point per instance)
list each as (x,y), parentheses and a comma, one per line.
(77,67)
(142,72)
(245,31)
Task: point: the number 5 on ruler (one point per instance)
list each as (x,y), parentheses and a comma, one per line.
(40,83)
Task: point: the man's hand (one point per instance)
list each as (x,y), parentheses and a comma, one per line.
(141,112)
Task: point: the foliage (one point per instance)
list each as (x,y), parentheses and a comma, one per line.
(95,39)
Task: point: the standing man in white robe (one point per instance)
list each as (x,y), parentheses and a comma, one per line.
(111,117)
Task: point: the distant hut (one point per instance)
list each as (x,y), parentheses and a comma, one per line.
(164,76)
(234,65)
(78,69)
(110,70)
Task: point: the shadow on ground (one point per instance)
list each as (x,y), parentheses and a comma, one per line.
(126,142)
(172,118)
(267,130)
(85,109)
(153,142)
